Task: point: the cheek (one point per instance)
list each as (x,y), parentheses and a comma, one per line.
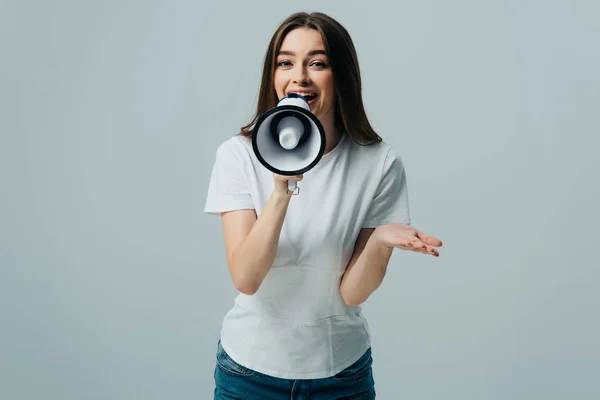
(279,84)
(326,83)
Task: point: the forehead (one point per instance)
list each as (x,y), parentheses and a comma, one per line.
(302,41)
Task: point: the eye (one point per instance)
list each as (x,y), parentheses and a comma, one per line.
(284,63)
(319,64)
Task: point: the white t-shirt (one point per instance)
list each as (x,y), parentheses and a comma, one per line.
(297,326)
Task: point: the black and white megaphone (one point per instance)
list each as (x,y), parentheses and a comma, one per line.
(288,139)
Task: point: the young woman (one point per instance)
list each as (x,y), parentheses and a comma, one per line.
(304,264)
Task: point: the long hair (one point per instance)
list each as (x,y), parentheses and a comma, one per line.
(350,115)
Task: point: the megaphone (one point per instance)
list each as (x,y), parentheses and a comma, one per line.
(288,139)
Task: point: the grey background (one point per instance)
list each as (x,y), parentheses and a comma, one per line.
(114,282)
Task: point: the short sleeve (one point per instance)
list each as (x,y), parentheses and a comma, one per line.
(390,203)
(228,188)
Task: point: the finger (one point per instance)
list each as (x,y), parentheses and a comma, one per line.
(420,247)
(416,244)
(285,178)
(430,240)
(432,251)
(290,177)
(421,250)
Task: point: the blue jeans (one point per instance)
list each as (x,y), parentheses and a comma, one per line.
(234,381)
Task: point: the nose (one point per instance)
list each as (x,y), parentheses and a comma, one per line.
(300,76)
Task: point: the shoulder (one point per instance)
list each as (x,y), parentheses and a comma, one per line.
(237,142)
(380,151)
(237,146)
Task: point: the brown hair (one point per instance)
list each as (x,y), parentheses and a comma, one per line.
(350,116)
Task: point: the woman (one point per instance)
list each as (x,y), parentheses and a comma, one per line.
(304,264)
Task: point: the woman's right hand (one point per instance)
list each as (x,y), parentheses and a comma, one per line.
(281,183)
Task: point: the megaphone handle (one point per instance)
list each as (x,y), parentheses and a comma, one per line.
(293,187)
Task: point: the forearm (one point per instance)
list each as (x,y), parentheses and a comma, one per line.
(366,274)
(253,257)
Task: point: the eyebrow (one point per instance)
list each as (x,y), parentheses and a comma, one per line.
(311,53)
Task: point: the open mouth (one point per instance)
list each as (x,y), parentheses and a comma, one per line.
(310,97)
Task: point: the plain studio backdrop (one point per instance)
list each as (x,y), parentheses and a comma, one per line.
(114,282)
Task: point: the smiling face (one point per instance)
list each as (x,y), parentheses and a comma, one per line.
(303,67)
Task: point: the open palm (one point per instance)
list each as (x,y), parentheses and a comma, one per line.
(406,237)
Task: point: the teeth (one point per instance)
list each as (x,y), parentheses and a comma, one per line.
(304,93)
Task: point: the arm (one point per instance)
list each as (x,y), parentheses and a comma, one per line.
(372,253)
(251,242)
(366,268)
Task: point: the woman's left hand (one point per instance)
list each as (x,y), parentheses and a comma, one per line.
(406,237)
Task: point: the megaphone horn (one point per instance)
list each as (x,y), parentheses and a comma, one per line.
(288,139)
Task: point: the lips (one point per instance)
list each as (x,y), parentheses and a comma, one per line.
(309,96)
